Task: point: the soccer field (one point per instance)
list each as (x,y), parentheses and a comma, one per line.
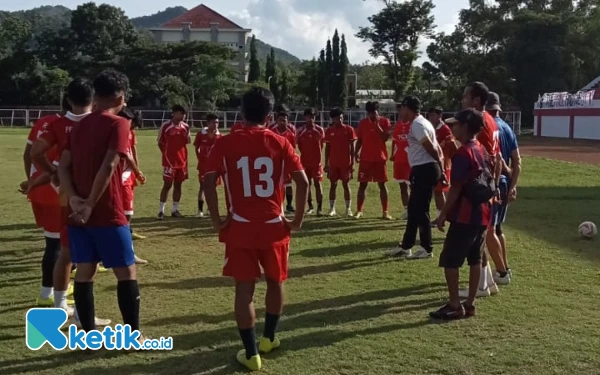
(349,310)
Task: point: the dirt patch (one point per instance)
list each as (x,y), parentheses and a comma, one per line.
(573,150)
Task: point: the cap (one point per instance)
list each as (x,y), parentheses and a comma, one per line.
(493,102)
(469,116)
(412,103)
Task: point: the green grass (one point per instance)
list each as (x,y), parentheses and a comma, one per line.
(349,310)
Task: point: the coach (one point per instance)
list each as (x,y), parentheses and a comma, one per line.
(425,161)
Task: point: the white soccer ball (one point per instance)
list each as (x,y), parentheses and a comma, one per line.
(588,230)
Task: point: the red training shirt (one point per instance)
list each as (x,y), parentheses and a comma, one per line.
(489,136)
(203,143)
(128,177)
(400,139)
(253,162)
(445,138)
(89,142)
(339,138)
(289,133)
(173,140)
(45,194)
(310,143)
(373,147)
(236,126)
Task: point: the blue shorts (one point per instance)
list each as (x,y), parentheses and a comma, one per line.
(112,246)
(499,210)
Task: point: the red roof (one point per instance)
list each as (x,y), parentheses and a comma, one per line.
(201,17)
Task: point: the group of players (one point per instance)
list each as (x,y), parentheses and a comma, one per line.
(88,156)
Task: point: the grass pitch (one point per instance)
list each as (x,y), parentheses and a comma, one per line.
(349,310)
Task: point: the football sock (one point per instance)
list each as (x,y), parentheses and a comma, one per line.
(271,321)
(249,340)
(162,207)
(361,205)
(385,205)
(348,204)
(60,299)
(51,252)
(310,205)
(332,204)
(128,295)
(45,292)
(483,285)
(200,205)
(289,198)
(175,207)
(84,303)
(438,213)
(319,205)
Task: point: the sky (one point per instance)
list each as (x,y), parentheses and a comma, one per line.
(299,26)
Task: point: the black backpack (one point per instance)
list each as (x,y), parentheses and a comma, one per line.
(483,187)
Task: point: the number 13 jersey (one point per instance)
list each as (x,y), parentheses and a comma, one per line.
(253,162)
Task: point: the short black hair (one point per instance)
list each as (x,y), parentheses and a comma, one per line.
(80,92)
(126,113)
(178,108)
(110,83)
(336,112)
(310,112)
(372,107)
(281,110)
(65,105)
(470,117)
(257,103)
(436,110)
(211,117)
(138,120)
(479,90)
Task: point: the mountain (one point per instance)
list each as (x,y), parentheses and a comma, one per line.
(42,18)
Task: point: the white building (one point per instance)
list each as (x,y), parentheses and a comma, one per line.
(204,24)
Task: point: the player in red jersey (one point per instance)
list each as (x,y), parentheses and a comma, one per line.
(445,139)
(371,153)
(173,138)
(400,158)
(339,158)
(236,126)
(283,128)
(310,143)
(475,96)
(254,163)
(203,143)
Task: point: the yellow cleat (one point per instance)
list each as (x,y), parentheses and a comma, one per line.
(73,273)
(387,216)
(49,302)
(70,290)
(265,345)
(137,236)
(359,215)
(102,269)
(253,364)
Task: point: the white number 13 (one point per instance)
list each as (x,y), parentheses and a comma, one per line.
(266,187)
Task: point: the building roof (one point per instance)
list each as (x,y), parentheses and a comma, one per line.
(201,17)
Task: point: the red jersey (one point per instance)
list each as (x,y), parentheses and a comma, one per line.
(373,147)
(173,140)
(339,138)
(128,177)
(203,143)
(489,136)
(289,133)
(89,142)
(254,162)
(310,143)
(57,133)
(445,138)
(45,194)
(400,139)
(236,126)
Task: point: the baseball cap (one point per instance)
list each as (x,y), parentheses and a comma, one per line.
(412,103)
(470,116)
(493,102)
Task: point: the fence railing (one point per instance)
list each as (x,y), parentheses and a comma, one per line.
(196,119)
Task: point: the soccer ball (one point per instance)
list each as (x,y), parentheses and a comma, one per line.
(588,230)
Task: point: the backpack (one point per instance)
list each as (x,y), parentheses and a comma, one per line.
(483,187)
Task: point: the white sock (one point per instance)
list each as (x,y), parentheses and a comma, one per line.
(60,299)
(75,315)
(348,204)
(162,207)
(438,213)
(332,204)
(175,207)
(46,292)
(483,285)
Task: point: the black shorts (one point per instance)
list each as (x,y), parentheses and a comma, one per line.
(463,241)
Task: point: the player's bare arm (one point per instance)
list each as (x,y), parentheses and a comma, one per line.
(27,160)
(516,171)
(451,200)
(435,152)
(385,135)
(301,181)
(353,153)
(327,153)
(38,156)
(212,201)
(64,174)
(356,152)
(497,168)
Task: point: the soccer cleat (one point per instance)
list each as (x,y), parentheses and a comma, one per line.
(200,214)
(102,269)
(70,290)
(136,236)
(99,322)
(161,216)
(399,252)
(176,214)
(359,214)
(290,209)
(319,213)
(448,313)
(469,310)
(349,212)
(481,293)
(332,213)
(310,211)
(73,273)
(70,310)
(501,280)
(421,254)
(49,302)
(265,345)
(253,363)
(509,273)
(139,260)
(386,216)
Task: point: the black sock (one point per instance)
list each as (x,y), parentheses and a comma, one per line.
(49,260)
(310,204)
(289,198)
(271,321)
(130,230)
(249,340)
(128,295)
(319,205)
(84,303)
(200,205)
(502,274)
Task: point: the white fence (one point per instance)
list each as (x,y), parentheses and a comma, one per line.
(154,118)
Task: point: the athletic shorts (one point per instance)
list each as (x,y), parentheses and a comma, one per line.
(372,171)
(174,174)
(48,218)
(463,241)
(441,188)
(343,174)
(245,264)
(499,210)
(110,245)
(402,173)
(201,178)
(288,181)
(128,199)
(64,231)
(314,173)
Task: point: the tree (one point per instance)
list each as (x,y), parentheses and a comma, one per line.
(394,35)
(323,76)
(343,72)
(328,71)
(285,86)
(254,73)
(337,80)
